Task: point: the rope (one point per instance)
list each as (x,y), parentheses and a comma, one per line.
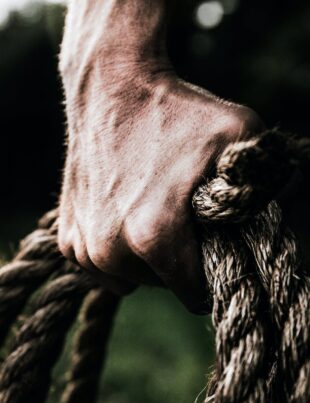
(237,317)
(240,261)
(256,285)
(37,259)
(90,347)
(26,372)
(275,250)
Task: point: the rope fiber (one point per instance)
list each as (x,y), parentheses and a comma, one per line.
(256,284)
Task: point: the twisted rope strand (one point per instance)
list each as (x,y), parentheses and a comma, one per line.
(37,259)
(288,290)
(254,278)
(302,386)
(240,336)
(25,374)
(236,194)
(90,346)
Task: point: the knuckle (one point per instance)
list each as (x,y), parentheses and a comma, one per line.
(100,253)
(252,123)
(81,255)
(70,243)
(242,123)
(94,253)
(65,245)
(72,248)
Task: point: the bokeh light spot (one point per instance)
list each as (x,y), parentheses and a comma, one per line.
(209,14)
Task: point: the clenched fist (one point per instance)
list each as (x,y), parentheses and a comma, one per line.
(140,141)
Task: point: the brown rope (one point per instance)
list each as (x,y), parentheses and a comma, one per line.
(287,285)
(37,259)
(260,293)
(25,374)
(232,197)
(90,346)
(241,335)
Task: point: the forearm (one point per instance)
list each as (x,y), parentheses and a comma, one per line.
(138,144)
(115,33)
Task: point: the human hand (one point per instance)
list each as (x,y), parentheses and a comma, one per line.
(140,141)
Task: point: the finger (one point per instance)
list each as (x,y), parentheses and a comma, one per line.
(110,282)
(115,259)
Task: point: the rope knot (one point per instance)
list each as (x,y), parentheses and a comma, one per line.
(260,293)
(249,174)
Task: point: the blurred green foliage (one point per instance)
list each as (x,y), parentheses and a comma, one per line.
(158,353)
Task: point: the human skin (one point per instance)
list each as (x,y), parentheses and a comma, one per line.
(140,140)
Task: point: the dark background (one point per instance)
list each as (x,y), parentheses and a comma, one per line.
(257,55)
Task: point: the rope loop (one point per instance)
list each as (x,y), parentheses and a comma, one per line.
(250,174)
(259,291)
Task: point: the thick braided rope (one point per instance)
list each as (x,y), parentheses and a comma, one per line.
(37,259)
(25,374)
(247,361)
(97,319)
(242,186)
(249,175)
(241,343)
(275,251)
